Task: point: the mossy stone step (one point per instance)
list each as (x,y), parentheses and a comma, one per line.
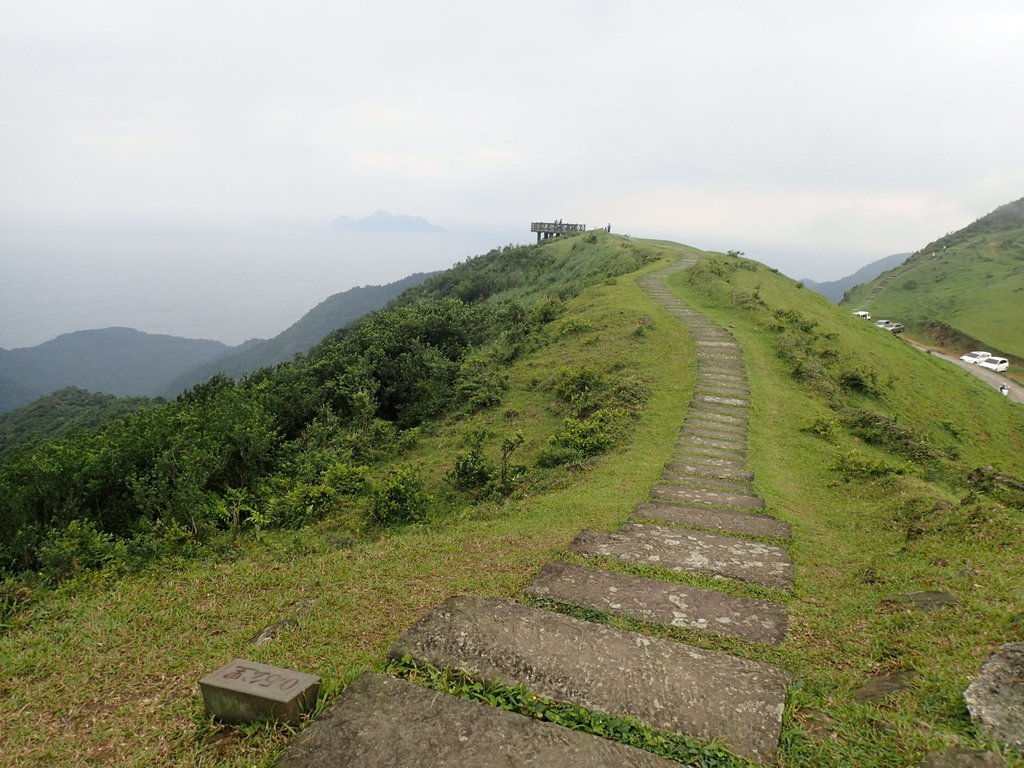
(381,722)
(711,468)
(734,402)
(661,602)
(728,441)
(689,442)
(710,431)
(714,430)
(703,412)
(713,519)
(680,550)
(699,480)
(685,690)
(724,498)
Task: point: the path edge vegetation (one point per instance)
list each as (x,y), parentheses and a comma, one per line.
(873,503)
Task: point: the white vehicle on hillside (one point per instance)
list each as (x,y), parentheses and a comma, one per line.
(973,357)
(862,314)
(997,364)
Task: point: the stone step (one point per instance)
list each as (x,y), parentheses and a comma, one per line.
(705,435)
(380,722)
(709,482)
(660,602)
(712,496)
(723,391)
(685,690)
(703,453)
(712,468)
(712,519)
(714,430)
(679,550)
(686,442)
(734,402)
(704,412)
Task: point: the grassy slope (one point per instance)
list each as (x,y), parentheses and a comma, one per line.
(972,280)
(109,676)
(844,627)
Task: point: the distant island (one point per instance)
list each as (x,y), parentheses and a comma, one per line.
(382,221)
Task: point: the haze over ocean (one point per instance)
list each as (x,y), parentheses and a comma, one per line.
(223,283)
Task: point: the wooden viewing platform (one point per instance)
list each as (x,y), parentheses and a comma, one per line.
(547,229)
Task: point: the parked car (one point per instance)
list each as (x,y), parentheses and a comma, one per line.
(997,364)
(883,323)
(862,314)
(895,328)
(973,357)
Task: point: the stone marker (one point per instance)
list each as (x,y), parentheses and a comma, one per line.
(679,688)
(713,519)
(995,698)
(380,722)
(248,692)
(680,550)
(661,602)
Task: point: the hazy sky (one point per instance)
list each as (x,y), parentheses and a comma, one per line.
(814,136)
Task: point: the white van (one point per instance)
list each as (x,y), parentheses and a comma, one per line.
(862,314)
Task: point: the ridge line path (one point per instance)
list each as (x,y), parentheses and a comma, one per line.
(704,518)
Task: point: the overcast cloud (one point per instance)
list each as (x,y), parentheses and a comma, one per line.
(814,136)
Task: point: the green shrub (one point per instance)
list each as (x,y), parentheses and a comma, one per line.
(399,498)
(77,548)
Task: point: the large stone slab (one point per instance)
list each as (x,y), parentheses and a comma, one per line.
(697,693)
(679,550)
(723,498)
(735,402)
(715,431)
(703,413)
(706,481)
(995,698)
(660,602)
(713,519)
(380,722)
(243,692)
(686,441)
(710,467)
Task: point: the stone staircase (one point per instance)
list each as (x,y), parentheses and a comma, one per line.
(703,518)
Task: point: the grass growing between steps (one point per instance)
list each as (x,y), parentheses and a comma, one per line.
(107,673)
(518,699)
(865,446)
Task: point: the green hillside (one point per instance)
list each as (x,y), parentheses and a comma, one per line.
(965,290)
(330,314)
(458,440)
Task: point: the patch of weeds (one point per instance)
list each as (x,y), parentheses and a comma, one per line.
(854,465)
(826,428)
(519,699)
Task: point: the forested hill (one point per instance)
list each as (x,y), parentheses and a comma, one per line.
(834,290)
(117,361)
(332,313)
(964,290)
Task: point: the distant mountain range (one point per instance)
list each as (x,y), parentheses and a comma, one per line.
(382,221)
(833,290)
(124,361)
(963,291)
